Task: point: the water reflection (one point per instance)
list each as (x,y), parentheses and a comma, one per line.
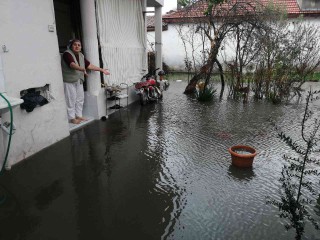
(161,171)
(241,174)
(121,178)
(14,221)
(317,207)
(49,193)
(88,169)
(164,175)
(40,195)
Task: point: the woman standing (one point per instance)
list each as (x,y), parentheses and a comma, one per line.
(74,67)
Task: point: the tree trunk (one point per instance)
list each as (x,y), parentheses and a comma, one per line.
(206,69)
(193,82)
(221,78)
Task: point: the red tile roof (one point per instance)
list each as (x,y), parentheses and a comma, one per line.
(151,23)
(291,7)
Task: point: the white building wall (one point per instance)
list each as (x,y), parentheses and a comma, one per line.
(33,60)
(174,51)
(315,21)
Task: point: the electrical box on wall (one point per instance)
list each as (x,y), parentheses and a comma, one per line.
(5,49)
(51,28)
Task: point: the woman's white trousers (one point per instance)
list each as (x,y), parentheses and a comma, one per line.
(74,95)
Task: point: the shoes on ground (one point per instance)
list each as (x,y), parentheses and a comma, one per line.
(113,98)
(117,106)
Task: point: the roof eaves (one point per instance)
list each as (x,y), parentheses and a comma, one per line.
(292,8)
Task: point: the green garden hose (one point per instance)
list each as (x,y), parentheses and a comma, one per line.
(10,134)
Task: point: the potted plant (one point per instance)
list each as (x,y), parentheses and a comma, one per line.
(242,156)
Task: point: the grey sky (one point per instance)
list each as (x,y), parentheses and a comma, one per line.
(169,5)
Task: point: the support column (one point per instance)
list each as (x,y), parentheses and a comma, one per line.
(158,36)
(90,42)
(144,9)
(95,105)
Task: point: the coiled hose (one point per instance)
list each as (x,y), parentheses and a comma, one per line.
(10,134)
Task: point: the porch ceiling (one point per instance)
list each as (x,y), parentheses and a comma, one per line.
(154,3)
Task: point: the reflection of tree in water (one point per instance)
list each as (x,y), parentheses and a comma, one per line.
(246,174)
(13,214)
(317,207)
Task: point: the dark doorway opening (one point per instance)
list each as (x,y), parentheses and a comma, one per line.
(68,21)
(68,25)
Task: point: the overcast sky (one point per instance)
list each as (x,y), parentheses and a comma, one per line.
(169,5)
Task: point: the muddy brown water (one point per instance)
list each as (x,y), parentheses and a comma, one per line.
(161,171)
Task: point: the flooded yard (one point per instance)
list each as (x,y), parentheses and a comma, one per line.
(161,171)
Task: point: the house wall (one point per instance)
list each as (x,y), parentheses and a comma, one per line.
(33,60)
(174,51)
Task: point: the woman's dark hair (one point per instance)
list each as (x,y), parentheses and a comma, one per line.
(72,41)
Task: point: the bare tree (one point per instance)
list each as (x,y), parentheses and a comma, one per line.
(246,49)
(273,53)
(194,45)
(217,19)
(306,42)
(289,54)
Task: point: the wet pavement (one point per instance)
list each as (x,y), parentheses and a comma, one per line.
(161,171)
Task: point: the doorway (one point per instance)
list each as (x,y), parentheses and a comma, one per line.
(68,21)
(68,25)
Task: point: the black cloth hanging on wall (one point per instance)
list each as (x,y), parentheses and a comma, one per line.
(32,99)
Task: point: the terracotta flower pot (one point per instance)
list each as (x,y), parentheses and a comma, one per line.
(242,156)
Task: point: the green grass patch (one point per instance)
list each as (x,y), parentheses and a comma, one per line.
(184,76)
(178,76)
(314,77)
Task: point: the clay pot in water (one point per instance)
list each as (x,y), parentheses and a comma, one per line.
(242,156)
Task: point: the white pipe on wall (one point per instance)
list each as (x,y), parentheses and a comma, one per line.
(158,36)
(144,9)
(2,84)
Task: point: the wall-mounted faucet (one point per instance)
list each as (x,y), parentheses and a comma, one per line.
(6,127)
(5,49)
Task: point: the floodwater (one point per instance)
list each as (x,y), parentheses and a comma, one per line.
(161,171)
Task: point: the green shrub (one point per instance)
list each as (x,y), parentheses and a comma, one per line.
(206,94)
